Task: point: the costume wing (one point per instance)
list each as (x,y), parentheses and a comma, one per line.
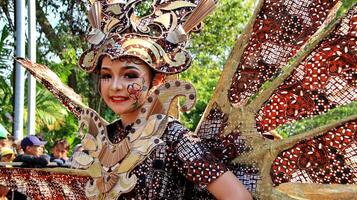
(297,60)
(52,82)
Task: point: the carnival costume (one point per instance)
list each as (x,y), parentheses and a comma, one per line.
(298,49)
(150,158)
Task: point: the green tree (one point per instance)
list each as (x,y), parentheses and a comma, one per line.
(5,84)
(210,50)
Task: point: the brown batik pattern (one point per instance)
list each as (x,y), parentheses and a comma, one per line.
(280,29)
(180,168)
(227,147)
(330,158)
(41,185)
(324,80)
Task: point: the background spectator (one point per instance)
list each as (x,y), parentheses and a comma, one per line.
(76,150)
(59,152)
(33,152)
(15,145)
(7,154)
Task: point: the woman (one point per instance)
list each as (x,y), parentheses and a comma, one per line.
(165,172)
(145,154)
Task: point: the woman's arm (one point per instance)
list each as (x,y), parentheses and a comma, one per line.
(196,158)
(228,187)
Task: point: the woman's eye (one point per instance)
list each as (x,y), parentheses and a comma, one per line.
(105,76)
(131,75)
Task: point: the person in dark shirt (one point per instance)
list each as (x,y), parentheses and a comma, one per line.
(33,153)
(59,152)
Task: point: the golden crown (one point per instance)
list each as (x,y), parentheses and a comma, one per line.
(155,32)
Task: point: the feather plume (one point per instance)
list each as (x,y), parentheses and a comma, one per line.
(203,9)
(95,14)
(111,2)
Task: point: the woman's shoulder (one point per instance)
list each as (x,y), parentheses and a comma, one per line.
(175,130)
(175,125)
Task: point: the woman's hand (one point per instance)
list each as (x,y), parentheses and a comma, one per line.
(228,187)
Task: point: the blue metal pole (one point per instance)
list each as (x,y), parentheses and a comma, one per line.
(31,105)
(20,72)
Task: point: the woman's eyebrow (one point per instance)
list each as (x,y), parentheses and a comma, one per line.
(126,67)
(105,68)
(130,67)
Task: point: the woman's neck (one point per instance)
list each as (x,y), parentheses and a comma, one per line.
(129,118)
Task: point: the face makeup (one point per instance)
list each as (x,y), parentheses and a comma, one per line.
(124,84)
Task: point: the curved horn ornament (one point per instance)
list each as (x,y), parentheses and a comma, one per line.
(110,164)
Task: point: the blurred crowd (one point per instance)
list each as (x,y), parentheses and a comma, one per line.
(30,151)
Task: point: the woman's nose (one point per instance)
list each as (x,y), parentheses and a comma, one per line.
(117,84)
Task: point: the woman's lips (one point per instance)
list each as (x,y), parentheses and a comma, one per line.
(118,99)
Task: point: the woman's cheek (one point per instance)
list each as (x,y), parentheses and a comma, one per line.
(131,92)
(104,86)
(103,89)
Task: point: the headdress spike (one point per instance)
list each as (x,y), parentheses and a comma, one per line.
(203,9)
(95,15)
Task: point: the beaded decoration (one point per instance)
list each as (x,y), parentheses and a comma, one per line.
(296,60)
(329,158)
(280,29)
(44,185)
(326,79)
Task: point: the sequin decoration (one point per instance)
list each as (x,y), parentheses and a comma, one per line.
(227,147)
(280,29)
(116,132)
(179,168)
(214,123)
(41,185)
(248,175)
(330,158)
(325,79)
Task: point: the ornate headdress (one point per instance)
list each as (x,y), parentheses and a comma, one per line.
(122,28)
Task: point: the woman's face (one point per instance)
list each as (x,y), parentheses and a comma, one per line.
(124,83)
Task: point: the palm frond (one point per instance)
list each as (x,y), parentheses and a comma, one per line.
(50,114)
